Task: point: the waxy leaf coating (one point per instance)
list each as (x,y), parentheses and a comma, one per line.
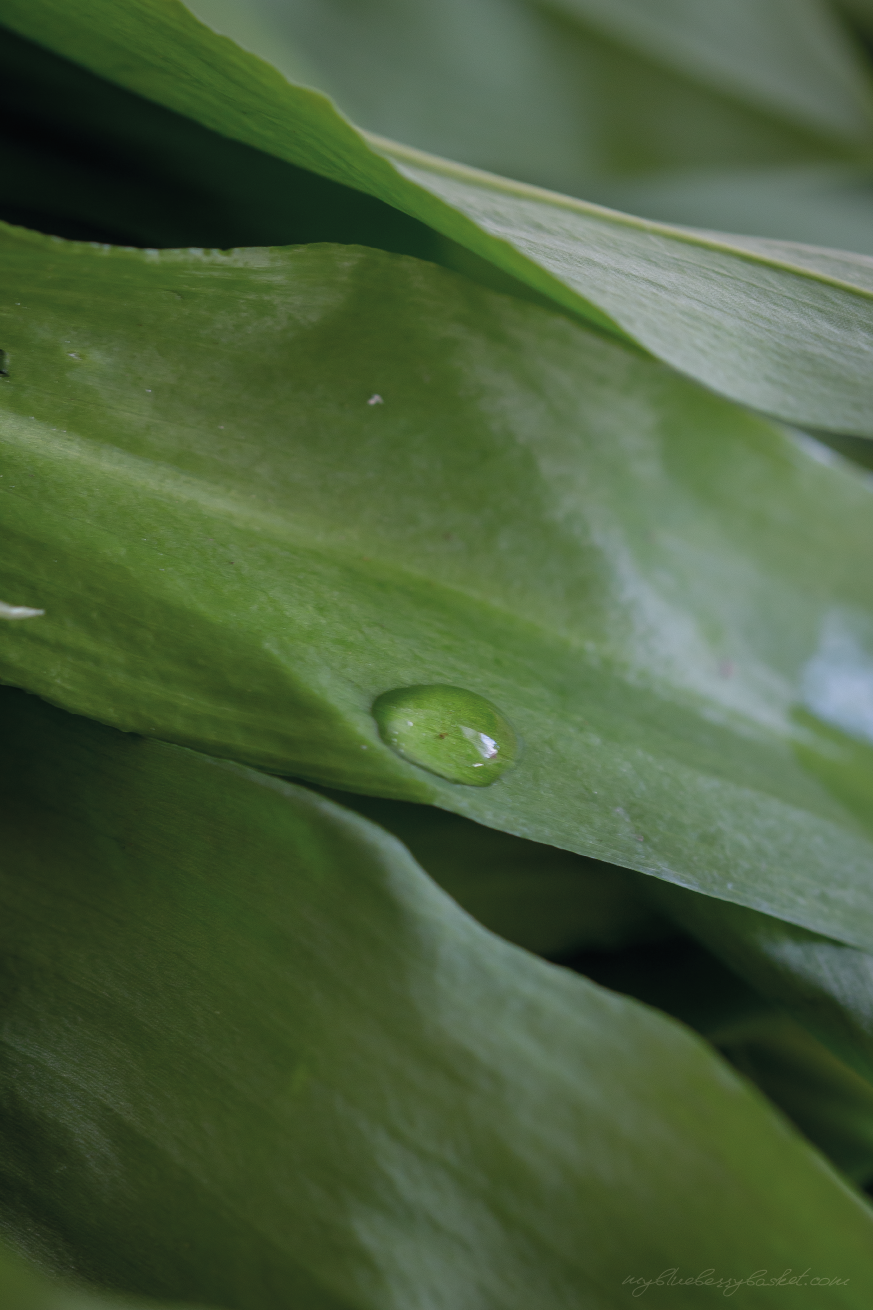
(236,551)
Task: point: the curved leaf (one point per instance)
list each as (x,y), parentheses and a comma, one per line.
(216,572)
(305,1075)
(763,326)
(558,94)
(826,1098)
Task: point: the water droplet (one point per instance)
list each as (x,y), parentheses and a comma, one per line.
(449,731)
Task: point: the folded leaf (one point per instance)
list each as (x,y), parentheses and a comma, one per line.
(239,549)
(766,327)
(253,1055)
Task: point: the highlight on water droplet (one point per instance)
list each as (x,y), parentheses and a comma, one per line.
(449,731)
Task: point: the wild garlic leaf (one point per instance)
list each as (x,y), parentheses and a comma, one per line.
(236,550)
(764,327)
(558,94)
(247,1039)
(821,1094)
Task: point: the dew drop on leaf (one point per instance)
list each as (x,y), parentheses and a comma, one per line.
(449,731)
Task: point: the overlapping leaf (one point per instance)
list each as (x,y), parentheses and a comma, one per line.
(237,551)
(557,94)
(253,1055)
(765,327)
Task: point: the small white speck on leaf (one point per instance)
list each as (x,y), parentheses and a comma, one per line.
(18,612)
(376,400)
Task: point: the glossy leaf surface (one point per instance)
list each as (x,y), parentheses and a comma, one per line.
(764,326)
(237,551)
(253,1055)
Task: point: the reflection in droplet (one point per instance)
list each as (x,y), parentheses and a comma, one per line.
(449,731)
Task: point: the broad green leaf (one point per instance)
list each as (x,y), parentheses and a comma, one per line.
(537,93)
(253,1055)
(767,326)
(254,491)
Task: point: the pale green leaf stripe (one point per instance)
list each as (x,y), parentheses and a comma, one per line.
(279,1066)
(819,204)
(235,551)
(755,327)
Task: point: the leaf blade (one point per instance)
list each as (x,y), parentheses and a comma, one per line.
(321,1045)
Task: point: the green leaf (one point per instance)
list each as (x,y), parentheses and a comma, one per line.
(638,575)
(83,158)
(776,327)
(558,94)
(253,1055)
